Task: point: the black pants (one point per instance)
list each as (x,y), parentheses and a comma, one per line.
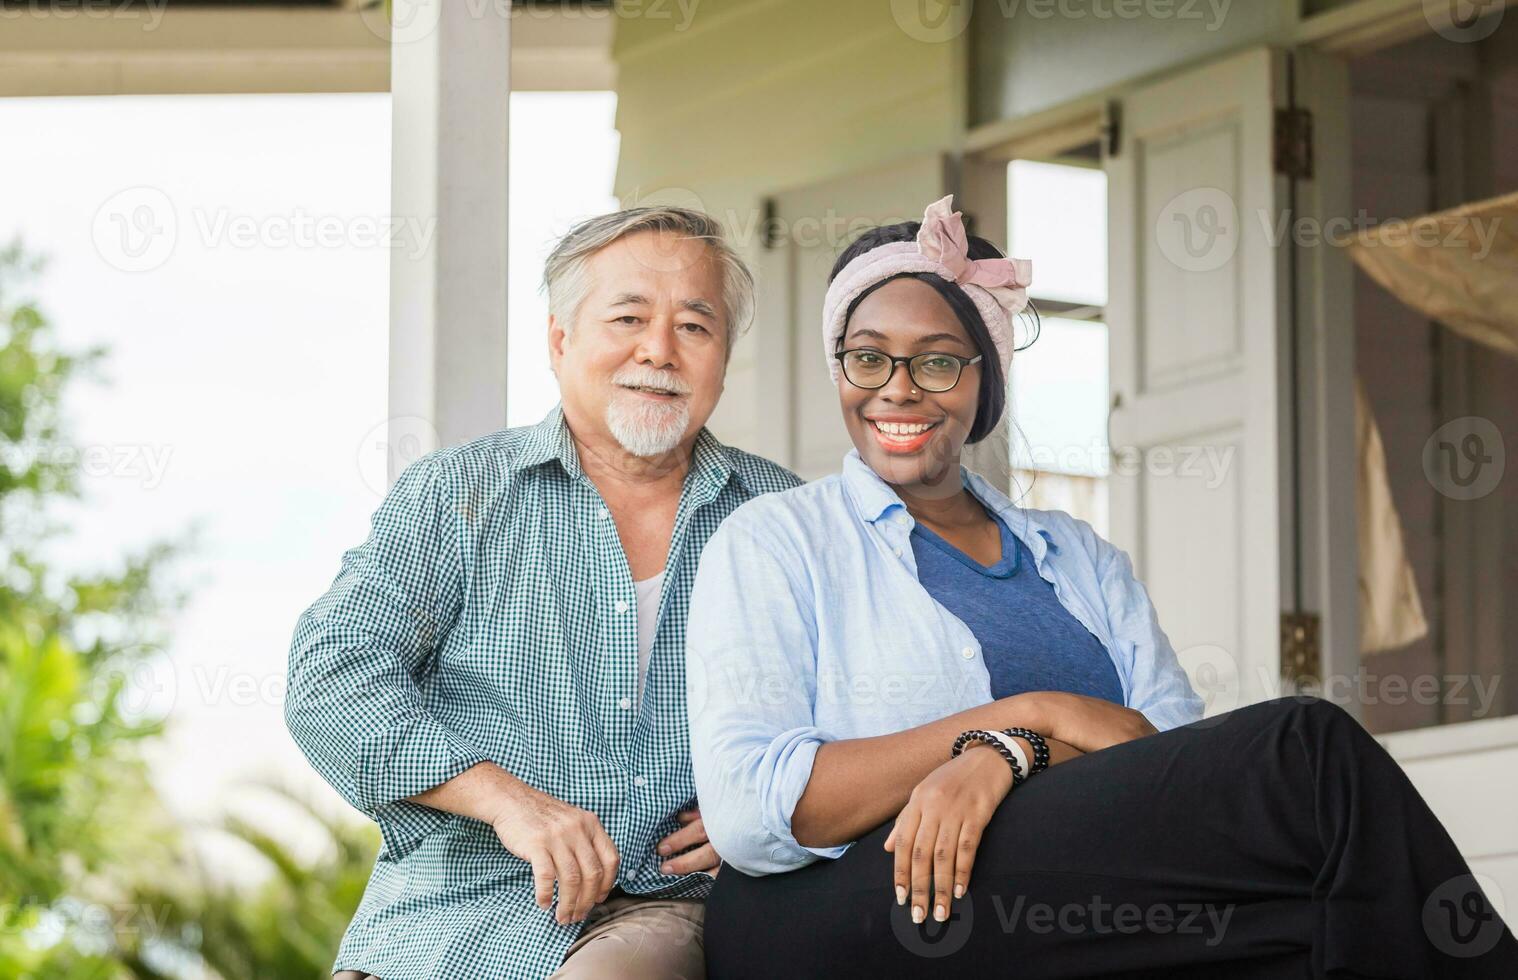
(1277,840)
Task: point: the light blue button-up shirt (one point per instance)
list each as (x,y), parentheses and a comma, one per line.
(808,624)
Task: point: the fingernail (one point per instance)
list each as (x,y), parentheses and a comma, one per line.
(917,913)
(901,895)
(940,913)
(663,848)
(959,891)
(666,869)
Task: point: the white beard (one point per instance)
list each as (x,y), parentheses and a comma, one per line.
(646,428)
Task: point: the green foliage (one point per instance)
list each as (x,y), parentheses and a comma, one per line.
(96,880)
(288,926)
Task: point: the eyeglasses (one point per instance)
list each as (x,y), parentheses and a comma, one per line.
(933,371)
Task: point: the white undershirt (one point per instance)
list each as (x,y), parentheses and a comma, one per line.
(648,619)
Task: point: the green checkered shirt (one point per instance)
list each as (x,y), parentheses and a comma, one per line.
(491,615)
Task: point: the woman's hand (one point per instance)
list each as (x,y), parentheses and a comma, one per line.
(1089,723)
(936,835)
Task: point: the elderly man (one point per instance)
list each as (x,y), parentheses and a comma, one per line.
(496,676)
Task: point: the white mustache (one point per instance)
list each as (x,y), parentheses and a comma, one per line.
(652,378)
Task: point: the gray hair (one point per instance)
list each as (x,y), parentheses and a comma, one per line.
(564,274)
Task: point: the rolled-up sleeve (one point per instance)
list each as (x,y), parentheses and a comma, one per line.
(359,653)
(751,681)
(1159,687)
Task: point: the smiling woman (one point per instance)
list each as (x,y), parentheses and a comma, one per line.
(971,705)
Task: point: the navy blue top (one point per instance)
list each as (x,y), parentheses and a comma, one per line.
(1029,640)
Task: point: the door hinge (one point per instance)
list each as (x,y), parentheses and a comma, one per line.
(1293,143)
(769,230)
(1301,649)
(1112,129)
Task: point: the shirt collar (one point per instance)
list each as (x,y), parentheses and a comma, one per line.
(550,439)
(874,499)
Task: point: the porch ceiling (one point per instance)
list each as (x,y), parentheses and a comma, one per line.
(246,46)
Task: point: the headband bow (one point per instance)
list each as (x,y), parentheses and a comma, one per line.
(998,287)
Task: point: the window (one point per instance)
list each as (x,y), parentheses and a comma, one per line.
(1057,216)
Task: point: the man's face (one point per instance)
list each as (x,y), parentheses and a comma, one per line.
(645,360)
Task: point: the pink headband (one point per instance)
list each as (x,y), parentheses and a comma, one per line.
(998,287)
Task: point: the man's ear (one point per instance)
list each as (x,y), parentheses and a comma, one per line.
(556,341)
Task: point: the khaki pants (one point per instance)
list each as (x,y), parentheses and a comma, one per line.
(629,937)
(638,938)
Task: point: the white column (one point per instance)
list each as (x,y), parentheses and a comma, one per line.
(450,66)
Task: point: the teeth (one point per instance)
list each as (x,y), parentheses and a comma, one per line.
(902,428)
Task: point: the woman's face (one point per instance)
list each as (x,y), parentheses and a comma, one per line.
(908,436)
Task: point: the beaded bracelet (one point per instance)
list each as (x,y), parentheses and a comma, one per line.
(977,735)
(1040,747)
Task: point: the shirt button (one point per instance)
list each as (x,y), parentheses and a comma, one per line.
(625,704)
(639,781)
(902,521)
(968,653)
(601,513)
(621,605)
(896,552)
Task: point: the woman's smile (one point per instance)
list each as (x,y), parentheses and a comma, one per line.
(902,434)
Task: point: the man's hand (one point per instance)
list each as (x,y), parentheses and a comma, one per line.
(936,835)
(564,844)
(691,839)
(1089,723)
